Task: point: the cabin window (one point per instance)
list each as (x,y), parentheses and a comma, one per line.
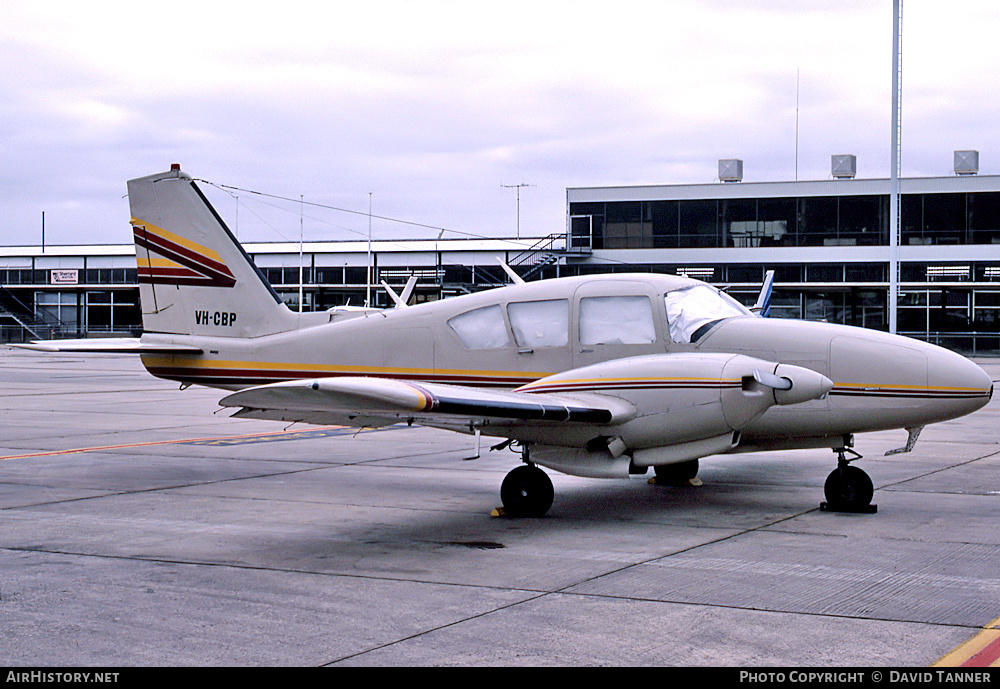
(540,323)
(616,320)
(692,311)
(481,328)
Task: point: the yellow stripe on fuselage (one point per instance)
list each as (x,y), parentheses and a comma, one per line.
(271,366)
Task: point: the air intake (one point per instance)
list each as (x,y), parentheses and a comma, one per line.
(966,162)
(731,170)
(844,166)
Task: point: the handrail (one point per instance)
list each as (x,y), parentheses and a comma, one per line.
(530,256)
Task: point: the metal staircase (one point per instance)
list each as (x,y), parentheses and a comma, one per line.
(545,252)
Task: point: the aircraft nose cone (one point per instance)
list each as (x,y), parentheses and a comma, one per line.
(959,380)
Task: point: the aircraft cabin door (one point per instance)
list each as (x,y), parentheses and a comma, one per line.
(616,319)
(541,330)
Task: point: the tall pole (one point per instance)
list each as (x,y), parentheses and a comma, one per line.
(897,77)
(797,123)
(301,236)
(518,188)
(368,288)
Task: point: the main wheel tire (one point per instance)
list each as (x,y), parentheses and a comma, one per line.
(526,492)
(849,487)
(676,474)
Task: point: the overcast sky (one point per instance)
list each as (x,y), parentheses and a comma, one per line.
(432,107)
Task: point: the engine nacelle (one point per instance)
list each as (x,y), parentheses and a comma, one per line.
(686,406)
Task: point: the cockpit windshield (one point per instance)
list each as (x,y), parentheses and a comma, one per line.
(692,311)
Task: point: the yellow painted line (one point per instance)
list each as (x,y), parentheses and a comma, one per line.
(968,651)
(124,446)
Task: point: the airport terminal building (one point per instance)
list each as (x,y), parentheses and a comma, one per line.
(826,240)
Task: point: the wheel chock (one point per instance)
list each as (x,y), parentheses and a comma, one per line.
(853,509)
(693,483)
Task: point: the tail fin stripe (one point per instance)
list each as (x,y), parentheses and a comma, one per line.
(214,272)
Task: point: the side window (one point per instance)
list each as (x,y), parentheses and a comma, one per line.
(481,328)
(616,320)
(540,323)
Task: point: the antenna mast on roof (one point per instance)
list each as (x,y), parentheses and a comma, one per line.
(897,111)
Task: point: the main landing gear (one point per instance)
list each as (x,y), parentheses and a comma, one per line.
(848,488)
(679,474)
(526,491)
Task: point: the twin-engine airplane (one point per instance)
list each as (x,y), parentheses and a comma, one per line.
(598,376)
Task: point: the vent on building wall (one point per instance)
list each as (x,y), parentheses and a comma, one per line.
(731,170)
(966,162)
(844,166)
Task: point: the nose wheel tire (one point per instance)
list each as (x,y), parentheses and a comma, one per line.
(848,489)
(526,492)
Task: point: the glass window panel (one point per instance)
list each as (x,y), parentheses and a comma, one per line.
(616,320)
(481,328)
(824,272)
(777,221)
(944,218)
(540,323)
(664,219)
(984,218)
(698,224)
(860,219)
(740,273)
(865,272)
(818,225)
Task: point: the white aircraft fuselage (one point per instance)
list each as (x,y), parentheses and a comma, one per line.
(881,381)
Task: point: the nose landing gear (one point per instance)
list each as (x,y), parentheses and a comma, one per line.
(848,488)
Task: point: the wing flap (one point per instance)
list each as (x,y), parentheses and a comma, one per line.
(359,399)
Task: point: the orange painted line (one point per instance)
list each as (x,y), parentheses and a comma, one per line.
(982,650)
(124,446)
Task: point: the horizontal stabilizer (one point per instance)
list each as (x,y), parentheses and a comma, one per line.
(108,345)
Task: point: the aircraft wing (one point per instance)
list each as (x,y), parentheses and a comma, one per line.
(107,345)
(381,401)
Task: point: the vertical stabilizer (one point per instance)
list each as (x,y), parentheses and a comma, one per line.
(194,277)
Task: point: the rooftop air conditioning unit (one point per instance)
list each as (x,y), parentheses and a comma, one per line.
(966,162)
(844,166)
(731,170)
